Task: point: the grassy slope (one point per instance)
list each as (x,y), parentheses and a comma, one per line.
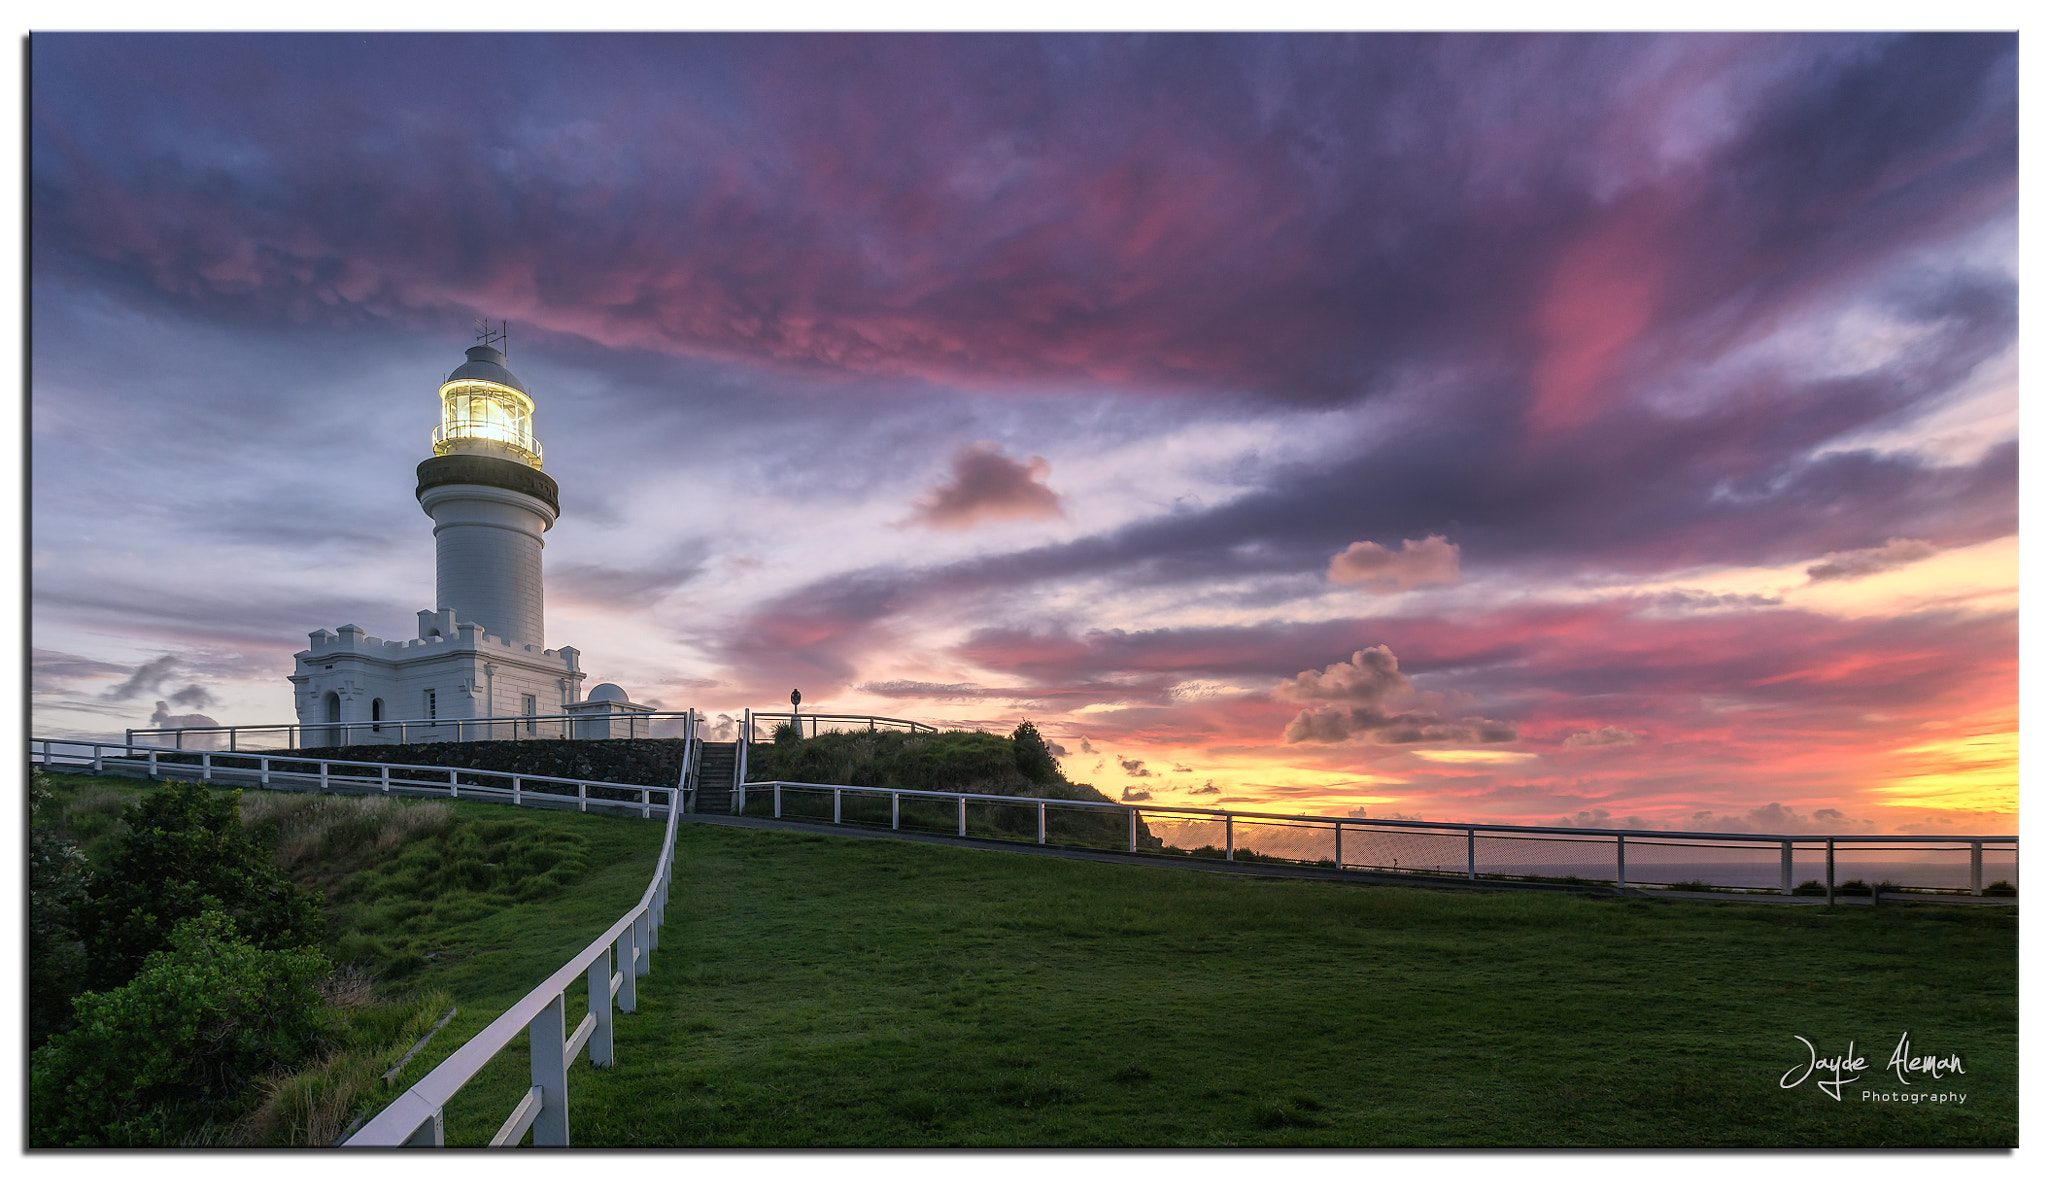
(820,991)
(468,935)
(841,992)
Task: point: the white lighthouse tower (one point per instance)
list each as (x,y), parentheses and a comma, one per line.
(489,500)
(479,669)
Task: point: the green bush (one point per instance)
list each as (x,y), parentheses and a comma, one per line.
(1034,760)
(185,845)
(182,1045)
(57,878)
(1811,887)
(2001,888)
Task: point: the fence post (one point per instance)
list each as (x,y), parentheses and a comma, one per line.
(963,815)
(895,810)
(1229,839)
(129,738)
(1134,832)
(643,801)
(384,777)
(323,773)
(835,807)
(629,954)
(152,760)
(1620,860)
(205,764)
(98,761)
(1041,824)
(451,782)
(582,797)
(643,935)
(598,980)
(546,1044)
(1785,868)
(1337,829)
(1831,873)
(231,740)
(515,789)
(1976,868)
(776,789)
(263,768)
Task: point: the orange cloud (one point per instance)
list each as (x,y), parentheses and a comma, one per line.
(1431,560)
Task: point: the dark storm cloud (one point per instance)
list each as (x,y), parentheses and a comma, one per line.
(1282,213)
(1261,217)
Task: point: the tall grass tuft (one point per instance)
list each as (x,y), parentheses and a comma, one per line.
(314,1105)
(330,833)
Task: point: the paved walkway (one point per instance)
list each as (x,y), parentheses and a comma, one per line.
(1288,871)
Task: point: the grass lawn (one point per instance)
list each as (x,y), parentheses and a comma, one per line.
(819,991)
(812,990)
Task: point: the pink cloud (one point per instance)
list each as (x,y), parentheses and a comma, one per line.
(1431,560)
(988,487)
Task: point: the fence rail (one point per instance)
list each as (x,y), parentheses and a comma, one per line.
(818,723)
(1670,860)
(269,769)
(561,726)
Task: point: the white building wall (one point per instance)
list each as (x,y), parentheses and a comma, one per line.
(474,675)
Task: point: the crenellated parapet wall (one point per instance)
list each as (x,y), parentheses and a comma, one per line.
(453,671)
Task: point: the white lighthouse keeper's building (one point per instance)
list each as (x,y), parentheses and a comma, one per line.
(480,653)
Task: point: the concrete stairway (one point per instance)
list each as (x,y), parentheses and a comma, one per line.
(715,777)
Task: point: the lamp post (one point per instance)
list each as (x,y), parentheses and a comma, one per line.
(795,723)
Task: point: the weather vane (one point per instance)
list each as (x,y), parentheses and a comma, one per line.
(493,338)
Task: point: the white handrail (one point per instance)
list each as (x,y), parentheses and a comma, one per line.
(1619,840)
(416,1116)
(210,764)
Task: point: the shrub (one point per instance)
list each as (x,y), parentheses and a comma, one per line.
(185,845)
(57,878)
(182,1045)
(1852,887)
(2001,888)
(1811,887)
(1034,760)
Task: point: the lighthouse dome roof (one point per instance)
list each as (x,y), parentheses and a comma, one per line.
(486,363)
(610,693)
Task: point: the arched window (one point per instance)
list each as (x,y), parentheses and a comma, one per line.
(376,715)
(333,708)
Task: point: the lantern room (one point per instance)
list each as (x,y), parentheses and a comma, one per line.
(485,410)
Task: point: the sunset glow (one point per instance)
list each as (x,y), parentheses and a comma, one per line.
(1527,428)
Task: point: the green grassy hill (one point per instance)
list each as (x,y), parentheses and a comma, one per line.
(812,990)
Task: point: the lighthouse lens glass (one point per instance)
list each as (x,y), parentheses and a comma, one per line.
(486,412)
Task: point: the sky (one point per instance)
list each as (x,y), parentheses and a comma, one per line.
(1592,429)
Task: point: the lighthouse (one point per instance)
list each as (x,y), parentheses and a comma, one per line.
(489,500)
(479,668)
